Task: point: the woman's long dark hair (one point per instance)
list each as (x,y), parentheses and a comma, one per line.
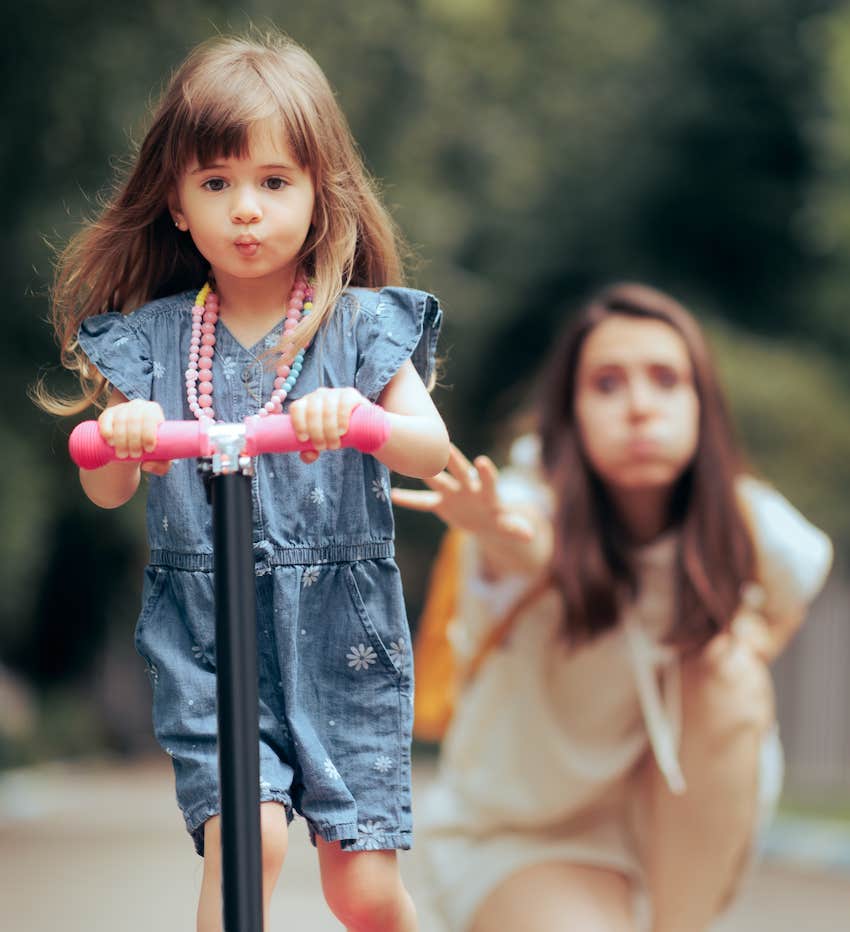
(591,564)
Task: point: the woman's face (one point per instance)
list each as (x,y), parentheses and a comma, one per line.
(636,406)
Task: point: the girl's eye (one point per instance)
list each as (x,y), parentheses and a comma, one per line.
(214,184)
(275,184)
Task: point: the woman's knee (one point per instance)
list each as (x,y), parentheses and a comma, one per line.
(728,687)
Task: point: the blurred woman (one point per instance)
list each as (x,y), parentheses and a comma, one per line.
(614,749)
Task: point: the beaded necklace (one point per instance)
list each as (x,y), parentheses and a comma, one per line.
(199,378)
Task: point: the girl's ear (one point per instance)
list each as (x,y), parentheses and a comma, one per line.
(176,213)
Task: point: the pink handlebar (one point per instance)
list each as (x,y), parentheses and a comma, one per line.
(368,430)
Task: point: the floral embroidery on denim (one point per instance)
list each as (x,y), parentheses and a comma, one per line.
(330,770)
(383,764)
(379,490)
(165,522)
(371,836)
(311,575)
(158,370)
(228,367)
(317,496)
(397,651)
(361,657)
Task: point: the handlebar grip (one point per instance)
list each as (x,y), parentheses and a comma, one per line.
(175,440)
(368,430)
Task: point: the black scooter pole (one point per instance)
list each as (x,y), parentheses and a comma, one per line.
(238,703)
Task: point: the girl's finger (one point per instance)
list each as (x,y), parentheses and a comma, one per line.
(156,467)
(415,499)
(316,421)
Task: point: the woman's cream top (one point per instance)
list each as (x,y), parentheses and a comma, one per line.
(544,731)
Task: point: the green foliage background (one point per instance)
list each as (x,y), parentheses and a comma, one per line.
(530,152)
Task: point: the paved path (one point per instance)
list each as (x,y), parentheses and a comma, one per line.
(100,848)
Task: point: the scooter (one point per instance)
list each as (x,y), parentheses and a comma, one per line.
(225,455)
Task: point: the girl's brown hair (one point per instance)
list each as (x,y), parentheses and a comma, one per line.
(591,564)
(132,252)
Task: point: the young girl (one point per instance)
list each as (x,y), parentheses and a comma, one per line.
(261,267)
(620,738)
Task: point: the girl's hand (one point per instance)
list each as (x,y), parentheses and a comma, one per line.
(465,497)
(322,418)
(130,427)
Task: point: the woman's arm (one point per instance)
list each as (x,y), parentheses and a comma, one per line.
(511,538)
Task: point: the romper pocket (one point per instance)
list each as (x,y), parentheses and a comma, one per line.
(151,592)
(368,625)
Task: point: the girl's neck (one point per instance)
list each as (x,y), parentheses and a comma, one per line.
(251,307)
(643,513)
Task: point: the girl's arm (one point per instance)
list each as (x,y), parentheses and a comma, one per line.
(511,538)
(130,426)
(418,444)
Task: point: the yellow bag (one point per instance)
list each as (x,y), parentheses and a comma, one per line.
(438,679)
(436,671)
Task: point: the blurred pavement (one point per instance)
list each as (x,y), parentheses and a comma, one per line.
(101,848)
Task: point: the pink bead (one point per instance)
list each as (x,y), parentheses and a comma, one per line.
(205,363)
(210,317)
(283,370)
(205,388)
(193,357)
(289,326)
(295,306)
(205,401)
(204,376)
(263,413)
(293,314)
(278,382)
(207,328)
(206,351)
(196,329)
(269,406)
(190,373)
(208,339)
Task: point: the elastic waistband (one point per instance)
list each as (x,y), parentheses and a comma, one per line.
(268,555)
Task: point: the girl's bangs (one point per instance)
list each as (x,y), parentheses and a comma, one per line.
(219,123)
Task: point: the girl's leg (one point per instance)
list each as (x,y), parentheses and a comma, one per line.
(275,838)
(698,842)
(558,897)
(364,889)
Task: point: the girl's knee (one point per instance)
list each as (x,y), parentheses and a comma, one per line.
(369,897)
(275,838)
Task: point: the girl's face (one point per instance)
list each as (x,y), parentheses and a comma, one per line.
(636,406)
(249,216)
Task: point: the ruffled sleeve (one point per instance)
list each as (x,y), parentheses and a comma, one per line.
(793,556)
(396,325)
(120,351)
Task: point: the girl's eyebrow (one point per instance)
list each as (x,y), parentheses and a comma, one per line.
(217,166)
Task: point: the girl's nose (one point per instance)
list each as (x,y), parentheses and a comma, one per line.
(246,208)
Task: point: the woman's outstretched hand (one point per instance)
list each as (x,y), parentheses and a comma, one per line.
(465,497)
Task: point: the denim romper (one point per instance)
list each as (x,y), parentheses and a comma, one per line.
(335,666)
